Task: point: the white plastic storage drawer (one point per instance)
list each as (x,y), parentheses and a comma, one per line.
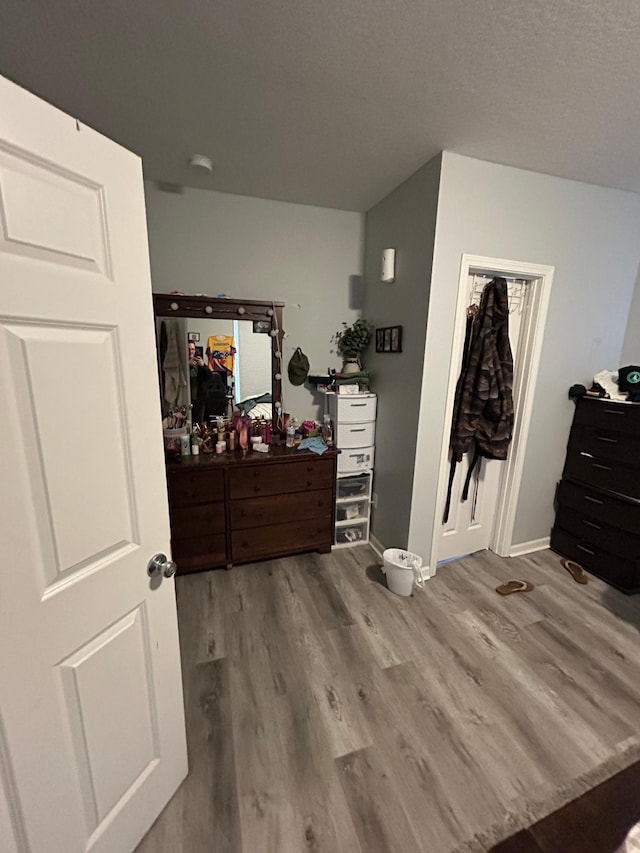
(350,488)
(355,459)
(355,435)
(359,408)
(349,534)
(349,512)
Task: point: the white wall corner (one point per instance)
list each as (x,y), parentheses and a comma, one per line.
(428,573)
(377,545)
(529,547)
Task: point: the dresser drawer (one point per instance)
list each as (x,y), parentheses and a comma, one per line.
(611,539)
(623,447)
(281,509)
(203,552)
(599,506)
(257,480)
(622,573)
(195,486)
(260,542)
(619,417)
(619,477)
(356,409)
(198,520)
(355,435)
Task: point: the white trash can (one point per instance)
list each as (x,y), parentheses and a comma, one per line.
(403,570)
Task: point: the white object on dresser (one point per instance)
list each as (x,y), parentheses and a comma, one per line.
(354,428)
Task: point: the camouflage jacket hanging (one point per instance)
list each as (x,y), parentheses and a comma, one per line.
(483,408)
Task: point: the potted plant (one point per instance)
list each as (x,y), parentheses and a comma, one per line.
(351,341)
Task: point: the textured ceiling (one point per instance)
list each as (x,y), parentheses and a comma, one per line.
(334,103)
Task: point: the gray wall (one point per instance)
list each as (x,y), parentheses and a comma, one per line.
(631,346)
(404,220)
(590,234)
(210,242)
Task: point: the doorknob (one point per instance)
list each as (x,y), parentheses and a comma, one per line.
(159,565)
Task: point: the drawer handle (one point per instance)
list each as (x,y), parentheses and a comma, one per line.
(602,467)
(362,429)
(356,405)
(587,550)
(608,440)
(591,524)
(593,500)
(614,412)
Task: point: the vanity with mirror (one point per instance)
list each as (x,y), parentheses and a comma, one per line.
(217,357)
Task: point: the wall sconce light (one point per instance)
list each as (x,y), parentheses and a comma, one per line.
(388,274)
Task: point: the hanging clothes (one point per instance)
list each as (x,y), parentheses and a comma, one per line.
(220,353)
(175,379)
(483,405)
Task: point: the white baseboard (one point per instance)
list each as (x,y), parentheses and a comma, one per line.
(377,545)
(529,547)
(427,574)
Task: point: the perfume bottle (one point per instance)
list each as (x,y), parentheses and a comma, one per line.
(327,431)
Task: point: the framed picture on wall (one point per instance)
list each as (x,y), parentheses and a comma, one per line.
(262,327)
(389,339)
(194,336)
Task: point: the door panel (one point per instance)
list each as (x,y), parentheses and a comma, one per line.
(91,702)
(77,239)
(40,359)
(111,705)
(470,523)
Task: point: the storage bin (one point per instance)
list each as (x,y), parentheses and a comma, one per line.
(358,459)
(355,435)
(360,408)
(351,534)
(353,487)
(351,511)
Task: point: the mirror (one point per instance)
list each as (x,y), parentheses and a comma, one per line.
(218,355)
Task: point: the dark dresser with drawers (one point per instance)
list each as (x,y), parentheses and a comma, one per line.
(598,499)
(232,508)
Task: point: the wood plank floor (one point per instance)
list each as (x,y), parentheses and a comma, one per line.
(325,713)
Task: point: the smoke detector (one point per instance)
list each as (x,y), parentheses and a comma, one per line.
(201,162)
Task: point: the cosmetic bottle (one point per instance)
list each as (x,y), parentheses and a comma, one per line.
(327,431)
(291,436)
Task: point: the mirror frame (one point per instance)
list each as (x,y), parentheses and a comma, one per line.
(207,308)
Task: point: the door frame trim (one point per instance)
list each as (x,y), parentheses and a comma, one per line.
(525,378)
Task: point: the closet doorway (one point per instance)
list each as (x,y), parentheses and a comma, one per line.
(486,518)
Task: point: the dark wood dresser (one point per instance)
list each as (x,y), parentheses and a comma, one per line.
(598,499)
(232,509)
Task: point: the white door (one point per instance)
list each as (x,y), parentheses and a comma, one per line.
(470,523)
(91,718)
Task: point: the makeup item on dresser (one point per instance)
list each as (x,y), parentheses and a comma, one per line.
(195,449)
(261,448)
(255,439)
(291,436)
(327,430)
(185,445)
(221,446)
(244,437)
(233,439)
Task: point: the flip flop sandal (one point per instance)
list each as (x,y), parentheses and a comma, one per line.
(514,586)
(575,570)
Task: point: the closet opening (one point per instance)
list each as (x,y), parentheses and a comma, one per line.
(486,519)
